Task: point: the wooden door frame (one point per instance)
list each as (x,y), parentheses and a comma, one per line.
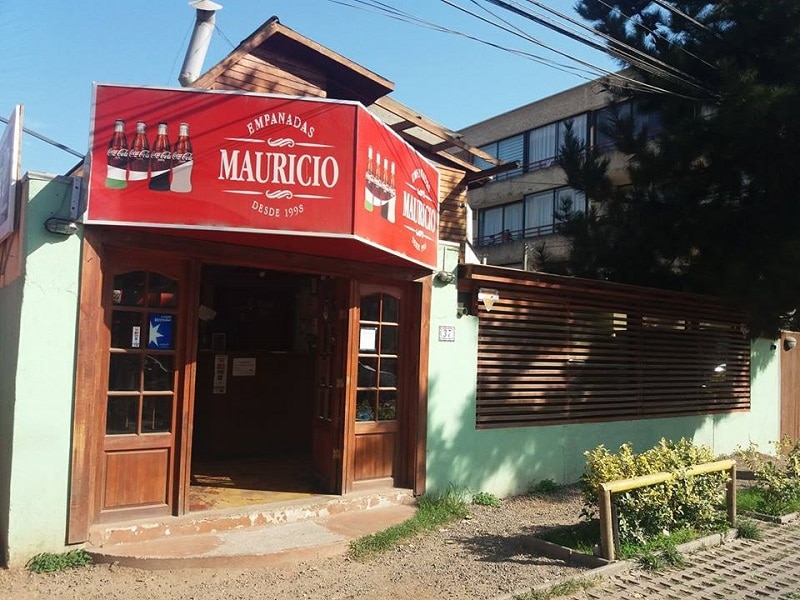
(347,429)
(412,426)
(417,431)
(183,444)
(91,331)
(790,387)
(92,372)
(89,372)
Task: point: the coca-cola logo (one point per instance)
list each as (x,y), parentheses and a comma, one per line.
(161,155)
(182,156)
(117,153)
(139,154)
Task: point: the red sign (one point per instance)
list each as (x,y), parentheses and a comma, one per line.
(226,161)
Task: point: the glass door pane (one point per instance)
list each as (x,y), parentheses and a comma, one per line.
(378,353)
(142,378)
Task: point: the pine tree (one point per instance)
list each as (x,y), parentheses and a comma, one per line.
(714,201)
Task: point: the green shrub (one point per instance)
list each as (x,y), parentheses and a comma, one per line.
(748,530)
(652,510)
(47,562)
(777,479)
(486,499)
(660,559)
(543,487)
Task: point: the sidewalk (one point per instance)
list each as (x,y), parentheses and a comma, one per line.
(739,569)
(323,528)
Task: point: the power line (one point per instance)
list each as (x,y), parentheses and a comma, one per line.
(614,41)
(628,81)
(50,141)
(411,19)
(677,11)
(224,37)
(520,33)
(178,54)
(613,49)
(390,11)
(658,35)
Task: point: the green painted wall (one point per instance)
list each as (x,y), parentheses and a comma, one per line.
(38,380)
(507,461)
(10,308)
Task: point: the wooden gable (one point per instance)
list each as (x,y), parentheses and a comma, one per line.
(277,60)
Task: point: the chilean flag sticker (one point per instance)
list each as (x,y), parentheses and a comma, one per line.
(160,332)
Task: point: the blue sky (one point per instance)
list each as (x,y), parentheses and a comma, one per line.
(52,51)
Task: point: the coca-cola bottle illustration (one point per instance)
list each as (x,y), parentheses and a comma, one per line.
(368,197)
(139,154)
(160,160)
(374,178)
(182,161)
(390,198)
(117,158)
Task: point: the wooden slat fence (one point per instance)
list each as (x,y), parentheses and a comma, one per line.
(557,350)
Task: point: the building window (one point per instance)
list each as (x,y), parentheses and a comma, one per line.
(539,214)
(544,143)
(534,149)
(541,210)
(569,200)
(536,215)
(500,224)
(508,150)
(642,119)
(513,221)
(579,129)
(490,225)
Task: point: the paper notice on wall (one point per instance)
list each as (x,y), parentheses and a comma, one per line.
(136,336)
(244,367)
(367,341)
(220,373)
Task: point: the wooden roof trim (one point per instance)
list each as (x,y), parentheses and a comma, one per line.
(335,57)
(423,146)
(274,27)
(402,126)
(450,137)
(246,46)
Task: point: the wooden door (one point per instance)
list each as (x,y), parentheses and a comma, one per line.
(379,391)
(790,385)
(140,411)
(331,383)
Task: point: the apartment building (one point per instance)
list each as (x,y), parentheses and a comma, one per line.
(515,213)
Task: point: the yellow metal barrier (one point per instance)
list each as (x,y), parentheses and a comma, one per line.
(607,548)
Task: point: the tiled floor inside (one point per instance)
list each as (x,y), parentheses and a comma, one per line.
(238,482)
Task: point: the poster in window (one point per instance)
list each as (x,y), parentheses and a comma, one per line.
(160,332)
(220,373)
(367,340)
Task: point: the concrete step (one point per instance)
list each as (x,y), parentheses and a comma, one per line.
(255,535)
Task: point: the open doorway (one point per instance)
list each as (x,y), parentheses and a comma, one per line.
(255,388)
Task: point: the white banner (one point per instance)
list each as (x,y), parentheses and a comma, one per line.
(9,171)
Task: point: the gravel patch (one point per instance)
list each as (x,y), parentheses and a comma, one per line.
(484,556)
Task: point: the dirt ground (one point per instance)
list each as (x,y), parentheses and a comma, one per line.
(480,557)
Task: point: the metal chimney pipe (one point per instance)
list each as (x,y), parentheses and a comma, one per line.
(201,38)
